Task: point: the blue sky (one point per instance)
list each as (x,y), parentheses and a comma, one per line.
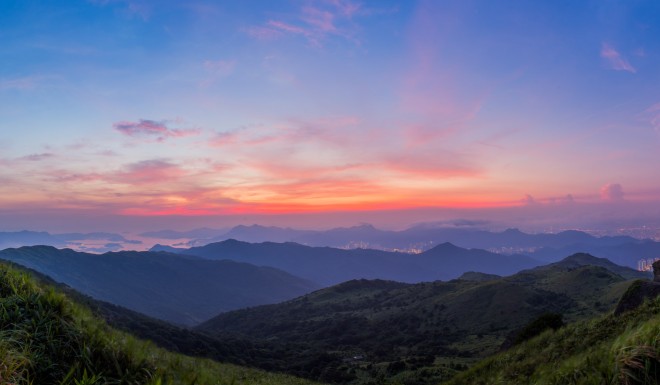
(223,110)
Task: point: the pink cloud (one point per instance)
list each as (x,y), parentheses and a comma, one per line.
(152,128)
(64,176)
(615,60)
(224,138)
(323,20)
(288,27)
(612,192)
(37,157)
(142,173)
(314,23)
(148,172)
(346,8)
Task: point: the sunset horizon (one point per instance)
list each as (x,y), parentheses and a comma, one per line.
(135,111)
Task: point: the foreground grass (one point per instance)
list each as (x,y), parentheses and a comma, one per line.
(45,338)
(610,349)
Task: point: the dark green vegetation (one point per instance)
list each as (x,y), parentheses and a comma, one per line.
(329,266)
(384,332)
(178,288)
(611,349)
(46,339)
(636,294)
(546,321)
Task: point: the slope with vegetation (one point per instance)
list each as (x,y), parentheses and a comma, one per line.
(611,349)
(388,332)
(47,339)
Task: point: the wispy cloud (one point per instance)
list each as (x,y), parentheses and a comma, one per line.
(22,83)
(614,59)
(612,192)
(346,8)
(149,172)
(314,23)
(131,8)
(37,157)
(653,115)
(320,19)
(153,129)
(220,68)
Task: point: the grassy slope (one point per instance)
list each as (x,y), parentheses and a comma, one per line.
(610,349)
(46,339)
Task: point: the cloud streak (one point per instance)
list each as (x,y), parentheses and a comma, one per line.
(159,130)
(314,23)
(614,59)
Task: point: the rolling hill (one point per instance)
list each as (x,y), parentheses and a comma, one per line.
(178,288)
(415,331)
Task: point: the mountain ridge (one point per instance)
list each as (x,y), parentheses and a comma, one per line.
(328,266)
(142,281)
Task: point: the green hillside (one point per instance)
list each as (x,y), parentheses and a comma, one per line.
(46,338)
(385,332)
(610,349)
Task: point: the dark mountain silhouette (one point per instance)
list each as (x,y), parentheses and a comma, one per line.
(479,277)
(626,254)
(417,325)
(178,288)
(640,291)
(329,266)
(168,249)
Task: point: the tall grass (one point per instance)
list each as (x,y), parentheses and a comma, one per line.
(611,349)
(45,338)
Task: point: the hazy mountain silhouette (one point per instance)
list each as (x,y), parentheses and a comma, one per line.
(626,254)
(33,238)
(178,288)
(200,233)
(329,266)
(423,237)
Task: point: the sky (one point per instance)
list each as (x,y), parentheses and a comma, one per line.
(122,114)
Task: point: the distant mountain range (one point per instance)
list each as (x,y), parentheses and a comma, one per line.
(178,288)
(417,237)
(545,247)
(385,321)
(623,250)
(329,266)
(110,241)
